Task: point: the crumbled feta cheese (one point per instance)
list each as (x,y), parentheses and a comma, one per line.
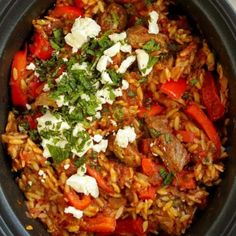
(98,115)
(66,166)
(125,84)
(64,74)
(118,37)
(31,66)
(36,74)
(65,59)
(97,138)
(48,122)
(81,171)
(83,184)
(113,50)
(143,59)
(28,106)
(101,146)
(126,48)
(82,66)
(103,62)
(126,64)
(152,23)
(46,88)
(86,147)
(71,109)
(78,128)
(89,118)
(82,30)
(125,136)
(42,174)
(60,101)
(117,92)
(103,95)
(113,122)
(106,79)
(85,97)
(75,212)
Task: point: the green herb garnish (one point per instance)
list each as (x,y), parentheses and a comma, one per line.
(151,46)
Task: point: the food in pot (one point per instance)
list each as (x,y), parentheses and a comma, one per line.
(114,126)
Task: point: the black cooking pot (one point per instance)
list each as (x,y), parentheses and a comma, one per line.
(216,20)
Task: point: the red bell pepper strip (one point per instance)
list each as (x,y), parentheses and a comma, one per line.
(68,12)
(35,88)
(130,226)
(149,167)
(101,182)
(196,113)
(174,89)
(149,193)
(32,120)
(152,111)
(99,224)
(76,201)
(18,93)
(187,136)
(185,180)
(41,48)
(79,4)
(210,98)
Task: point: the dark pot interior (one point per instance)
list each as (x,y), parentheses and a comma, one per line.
(217,22)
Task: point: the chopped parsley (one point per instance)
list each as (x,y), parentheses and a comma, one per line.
(151,46)
(166,177)
(193,82)
(155,133)
(58,154)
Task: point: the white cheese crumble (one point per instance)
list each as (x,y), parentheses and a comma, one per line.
(126,48)
(85,97)
(86,147)
(105,78)
(65,59)
(117,37)
(78,128)
(98,115)
(113,122)
(117,92)
(84,184)
(125,136)
(28,106)
(152,23)
(103,95)
(82,30)
(31,66)
(125,84)
(82,66)
(97,138)
(143,59)
(42,174)
(61,77)
(46,88)
(126,64)
(60,101)
(103,62)
(66,166)
(101,146)
(113,50)
(75,212)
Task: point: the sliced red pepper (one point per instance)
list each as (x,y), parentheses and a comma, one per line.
(99,224)
(174,89)
(76,201)
(79,4)
(18,92)
(196,113)
(101,182)
(185,180)
(211,99)
(149,193)
(41,48)
(130,226)
(152,111)
(149,167)
(68,12)
(35,88)
(187,136)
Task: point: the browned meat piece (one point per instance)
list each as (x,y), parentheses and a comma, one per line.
(174,156)
(129,155)
(114,18)
(138,36)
